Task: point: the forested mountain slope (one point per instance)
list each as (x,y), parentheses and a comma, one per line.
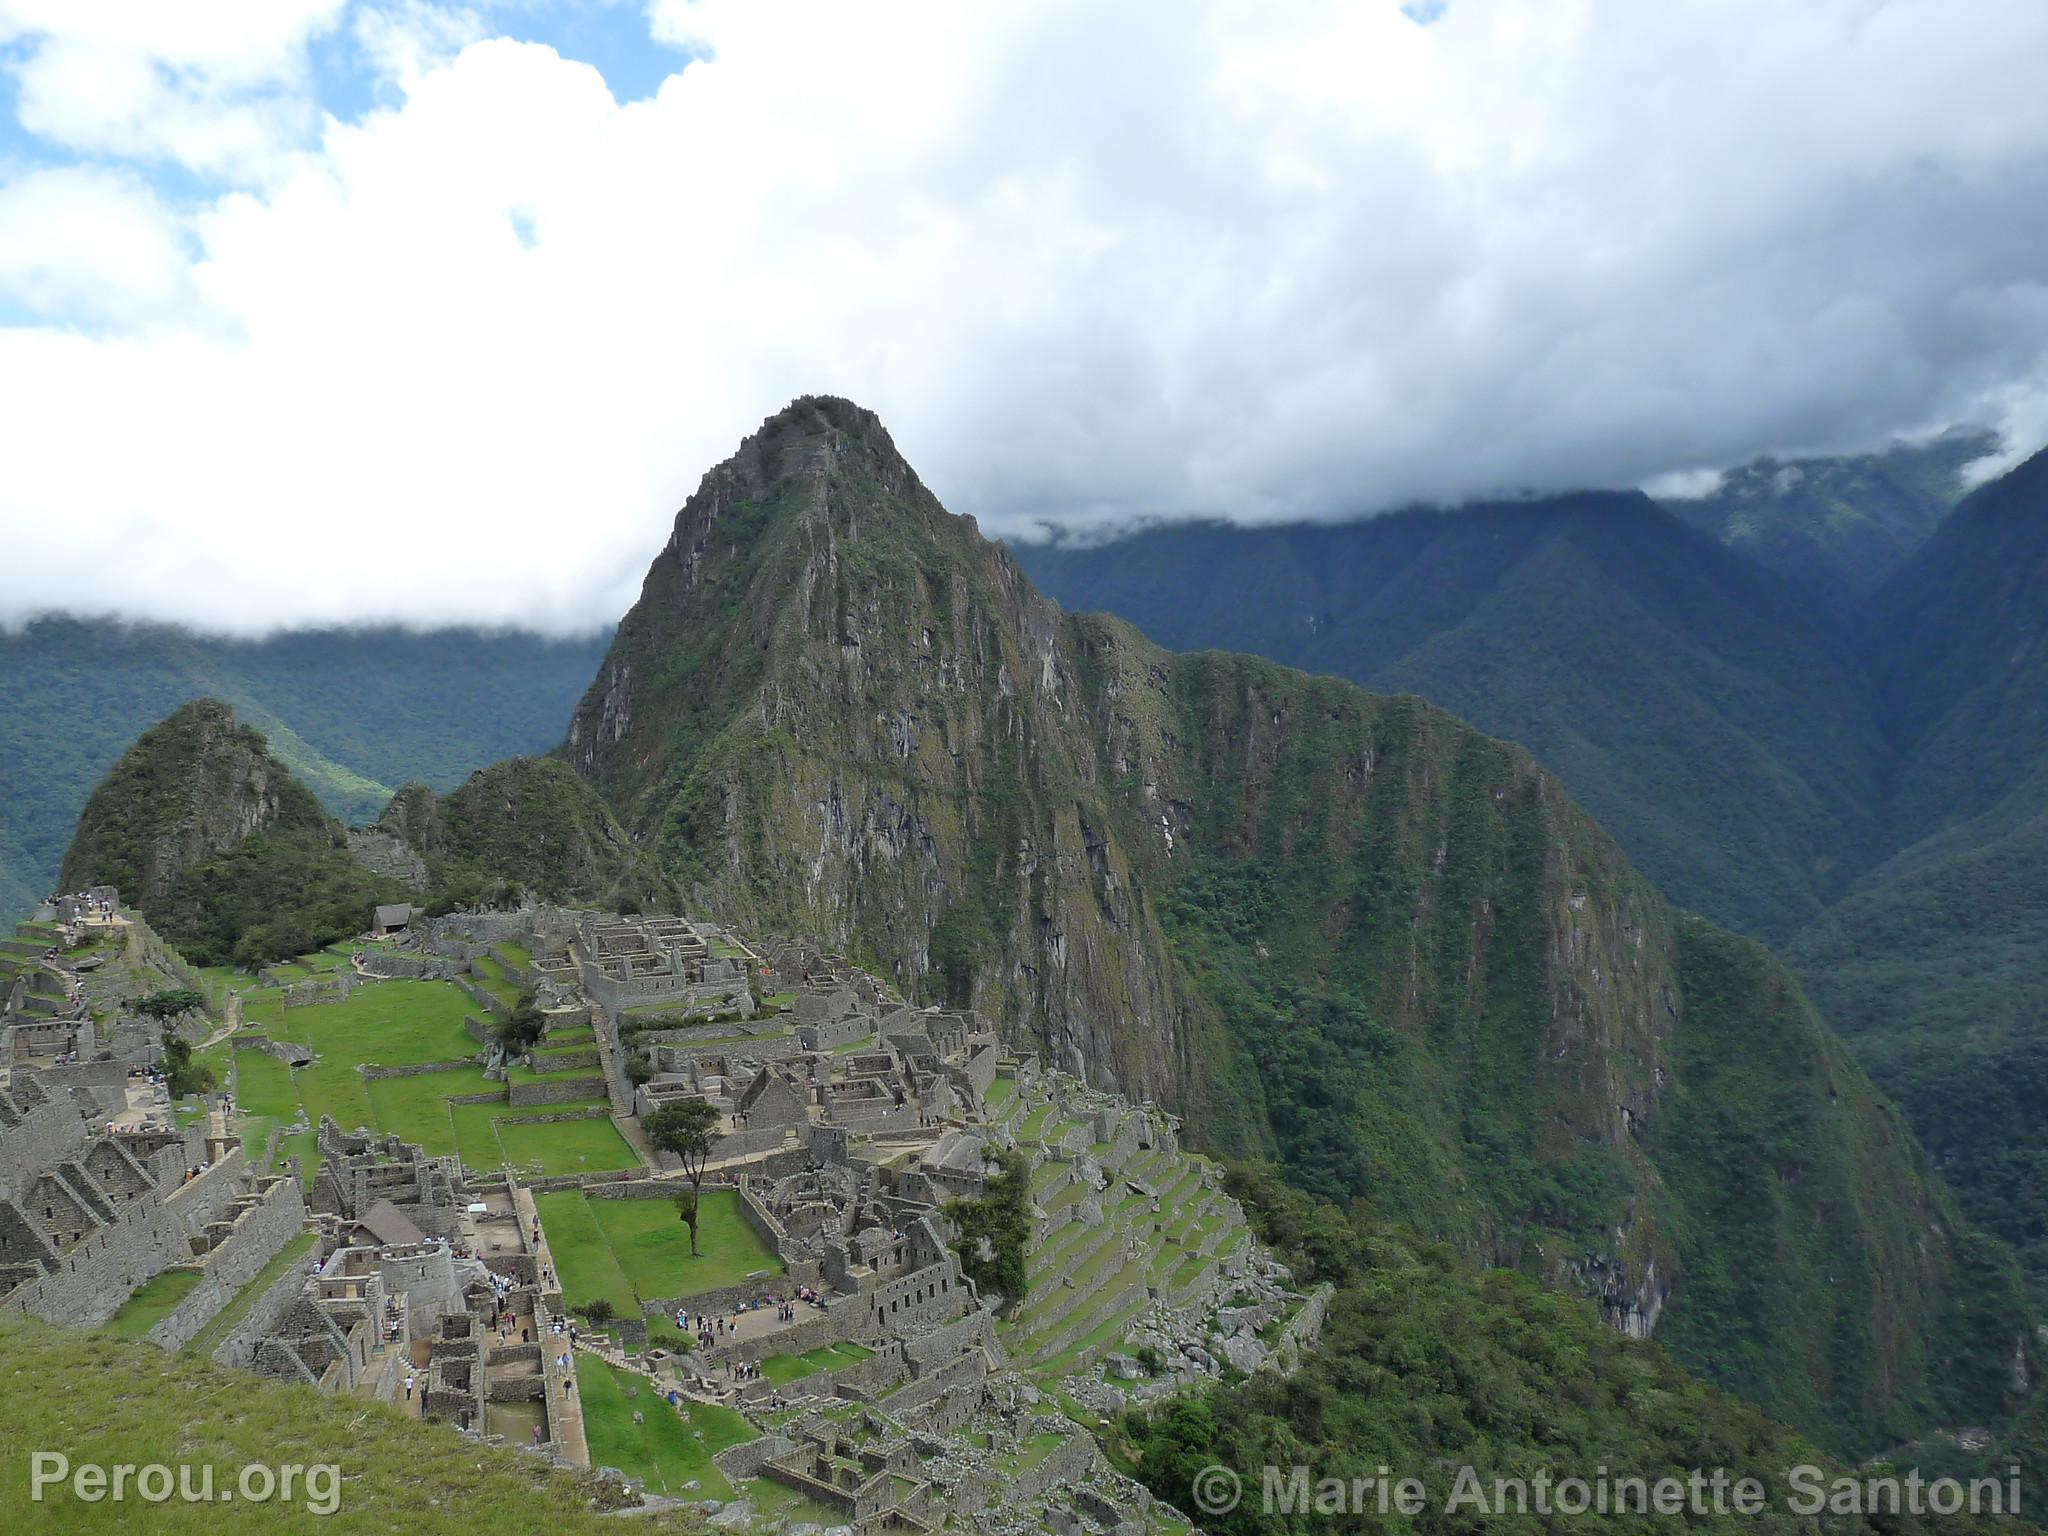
(354,714)
(1342,930)
(1714,718)
(1866,788)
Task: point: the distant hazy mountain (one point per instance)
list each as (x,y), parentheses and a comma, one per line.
(1840,527)
(354,714)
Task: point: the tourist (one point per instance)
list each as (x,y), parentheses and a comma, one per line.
(408,1387)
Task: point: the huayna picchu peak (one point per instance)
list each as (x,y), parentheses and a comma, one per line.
(1340,931)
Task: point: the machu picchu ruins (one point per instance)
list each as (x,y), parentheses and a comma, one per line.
(497,1245)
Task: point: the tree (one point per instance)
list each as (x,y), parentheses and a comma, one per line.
(687,1129)
(520,1030)
(995,1226)
(185,1076)
(170,1002)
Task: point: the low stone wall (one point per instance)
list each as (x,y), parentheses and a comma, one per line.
(259,1233)
(943,1343)
(1069,1464)
(727,1298)
(572,1061)
(565,1089)
(480,997)
(739,1462)
(1301,1332)
(418,1069)
(960,1371)
(262,1318)
(813,1330)
(772,1138)
(322,989)
(285,1051)
(594,1112)
(408,965)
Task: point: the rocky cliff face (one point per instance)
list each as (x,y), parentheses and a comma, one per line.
(191,787)
(1342,931)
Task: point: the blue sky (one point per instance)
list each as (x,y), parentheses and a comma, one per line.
(612,36)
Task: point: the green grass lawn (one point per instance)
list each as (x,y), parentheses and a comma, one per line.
(304,1145)
(635,1251)
(208,1339)
(400,1023)
(394,1023)
(669,1451)
(154,1300)
(584,1261)
(490,975)
(783,1369)
(1000,1090)
(417,1107)
(518,956)
(263,1086)
(255,1133)
(653,1246)
(773,1501)
(564,1146)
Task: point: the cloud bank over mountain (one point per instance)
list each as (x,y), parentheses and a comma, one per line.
(320,312)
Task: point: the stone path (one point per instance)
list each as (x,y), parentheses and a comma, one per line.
(565,1404)
(565,1407)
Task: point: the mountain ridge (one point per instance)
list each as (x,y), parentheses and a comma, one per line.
(1345,931)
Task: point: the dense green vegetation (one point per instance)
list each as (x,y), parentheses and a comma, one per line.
(236,862)
(527,825)
(1937,981)
(1427,1367)
(994,1228)
(1714,719)
(353,713)
(277,893)
(230,857)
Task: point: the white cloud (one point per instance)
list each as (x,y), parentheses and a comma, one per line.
(93,247)
(461,359)
(214,85)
